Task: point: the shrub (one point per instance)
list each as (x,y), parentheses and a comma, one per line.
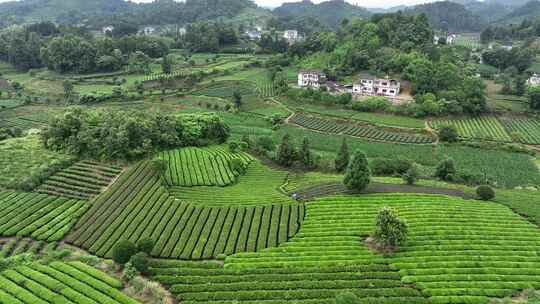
(485,193)
(233,147)
(389,166)
(446,170)
(145,245)
(265,144)
(346,298)
(123,251)
(129,272)
(390,230)
(140,262)
(448,134)
(358,174)
(411,176)
(372,104)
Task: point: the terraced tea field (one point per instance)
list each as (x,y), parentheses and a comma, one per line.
(458,251)
(483,127)
(194,166)
(83,180)
(138,206)
(13,247)
(356,130)
(58,282)
(226,89)
(40,216)
(523,129)
(258,186)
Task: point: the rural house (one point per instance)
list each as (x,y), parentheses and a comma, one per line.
(311,78)
(370,86)
(291,36)
(148,30)
(534,80)
(107,29)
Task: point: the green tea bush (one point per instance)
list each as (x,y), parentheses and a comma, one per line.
(485,193)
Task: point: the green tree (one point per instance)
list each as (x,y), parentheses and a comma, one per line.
(343,157)
(237,97)
(140,262)
(448,134)
(390,230)
(520,84)
(286,154)
(411,176)
(446,170)
(167,64)
(304,155)
(145,245)
(534,97)
(123,251)
(68,89)
(358,174)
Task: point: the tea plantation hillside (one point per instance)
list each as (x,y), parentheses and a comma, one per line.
(458,251)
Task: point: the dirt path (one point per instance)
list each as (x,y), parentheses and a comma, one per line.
(432,131)
(336,188)
(279,103)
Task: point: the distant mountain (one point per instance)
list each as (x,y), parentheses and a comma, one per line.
(531,10)
(330,12)
(513,3)
(95,12)
(449,16)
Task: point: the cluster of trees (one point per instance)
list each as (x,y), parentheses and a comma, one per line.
(450,16)
(526,29)
(119,135)
(64,49)
(518,58)
(398,44)
(207,36)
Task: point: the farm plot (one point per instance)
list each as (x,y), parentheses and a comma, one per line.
(40,216)
(84,180)
(137,206)
(265,88)
(363,131)
(13,247)
(22,157)
(59,282)
(226,89)
(483,127)
(523,129)
(194,166)
(458,251)
(259,186)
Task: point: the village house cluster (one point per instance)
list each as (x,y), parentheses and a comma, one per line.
(366,86)
(534,80)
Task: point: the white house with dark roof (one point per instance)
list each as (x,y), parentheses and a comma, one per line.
(371,86)
(311,78)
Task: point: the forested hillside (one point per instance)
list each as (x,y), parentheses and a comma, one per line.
(449,16)
(329,13)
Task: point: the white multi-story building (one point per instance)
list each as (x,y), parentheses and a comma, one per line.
(534,80)
(254,35)
(291,36)
(148,30)
(377,87)
(107,29)
(311,78)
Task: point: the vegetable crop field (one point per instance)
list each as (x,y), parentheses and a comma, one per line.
(363,131)
(40,216)
(84,180)
(138,206)
(59,282)
(194,166)
(259,186)
(458,251)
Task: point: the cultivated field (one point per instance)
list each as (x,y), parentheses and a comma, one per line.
(464,261)
(40,216)
(59,282)
(521,129)
(138,206)
(364,131)
(258,186)
(194,166)
(83,180)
